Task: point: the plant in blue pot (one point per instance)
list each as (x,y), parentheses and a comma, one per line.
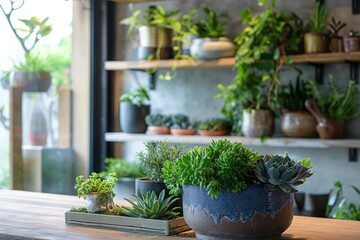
(232,192)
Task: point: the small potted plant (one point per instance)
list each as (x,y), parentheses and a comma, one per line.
(296,121)
(156,28)
(126,172)
(210,41)
(226,180)
(98,192)
(134,107)
(158,123)
(186,34)
(351,42)
(214,127)
(316,40)
(181,125)
(336,42)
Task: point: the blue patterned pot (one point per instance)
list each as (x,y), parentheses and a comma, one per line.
(252,213)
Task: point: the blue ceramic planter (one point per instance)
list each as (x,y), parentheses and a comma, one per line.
(252,213)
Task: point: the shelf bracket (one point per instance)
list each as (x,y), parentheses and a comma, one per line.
(319,73)
(354,71)
(152,77)
(353,154)
(355,6)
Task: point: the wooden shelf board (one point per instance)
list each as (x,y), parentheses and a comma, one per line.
(271,142)
(227,62)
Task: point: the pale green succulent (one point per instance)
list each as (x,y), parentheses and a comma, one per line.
(150,205)
(159,120)
(283,172)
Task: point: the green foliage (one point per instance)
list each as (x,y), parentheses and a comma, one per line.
(181,121)
(220,165)
(211,27)
(292,96)
(151,206)
(95,184)
(159,120)
(318,21)
(336,26)
(121,168)
(214,124)
(138,96)
(155,154)
(118,211)
(33,63)
(339,103)
(277,171)
(343,209)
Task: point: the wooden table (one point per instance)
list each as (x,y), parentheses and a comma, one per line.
(40,215)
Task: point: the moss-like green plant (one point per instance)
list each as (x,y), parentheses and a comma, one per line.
(221,165)
(181,121)
(95,184)
(156,153)
(277,171)
(151,206)
(214,124)
(121,168)
(158,120)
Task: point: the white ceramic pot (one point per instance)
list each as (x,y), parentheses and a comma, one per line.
(212,48)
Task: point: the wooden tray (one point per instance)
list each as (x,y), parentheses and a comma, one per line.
(130,224)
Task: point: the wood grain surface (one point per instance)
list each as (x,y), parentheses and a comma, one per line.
(41,216)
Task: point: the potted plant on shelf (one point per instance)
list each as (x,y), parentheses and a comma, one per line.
(134,108)
(226,180)
(336,41)
(334,108)
(296,121)
(351,42)
(181,125)
(210,41)
(158,123)
(126,172)
(156,28)
(316,40)
(214,127)
(183,38)
(97,192)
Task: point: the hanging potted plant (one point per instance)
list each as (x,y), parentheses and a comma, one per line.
(156,27)
(231,192)
(97,192)
(181,125)
(210,41)
(158,123)
(134,108)
(316,40)
(214,127)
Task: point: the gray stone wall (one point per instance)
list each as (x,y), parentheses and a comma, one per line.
(192,91)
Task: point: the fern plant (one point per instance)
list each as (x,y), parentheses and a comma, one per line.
(151,206)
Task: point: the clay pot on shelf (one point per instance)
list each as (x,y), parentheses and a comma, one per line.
(351,43)
(316,42)
(258,123)
(327,128)
(175,131)
(298,124)
(212,48)
(214,133)
(158,130)
(336,44)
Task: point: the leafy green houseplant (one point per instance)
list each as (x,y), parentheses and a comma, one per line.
(134,107)
(158,123)
(214,127)
(97,192)
(210,41)
(156,27)
(181,125)
(228,180)
(316,40)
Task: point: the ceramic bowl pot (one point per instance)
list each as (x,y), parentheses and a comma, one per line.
(258,123)
(316,42)
(33,81)
(132,117)
(252,213)
(214,133)
(158,130)
(212,48)
(298,124)
(93,203)
(155,42)
(351,43)
(178,132)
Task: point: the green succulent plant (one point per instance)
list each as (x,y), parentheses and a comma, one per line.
(159,120)
(215,124)
(181,121)
(150,205)
(283,172)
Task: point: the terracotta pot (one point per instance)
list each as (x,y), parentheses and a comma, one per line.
(33,81)
(158,130)
(212,48)
(298,124)
(316,42)
(214,133)
(327,128)
(174,131)
(258,123)
(155,41)
(336,44)
(351,43)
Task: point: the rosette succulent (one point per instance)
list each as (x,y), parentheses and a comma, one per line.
(181,121)
(159,120)
(283,172)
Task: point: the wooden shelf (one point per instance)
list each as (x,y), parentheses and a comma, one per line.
(271,142)
(319,58)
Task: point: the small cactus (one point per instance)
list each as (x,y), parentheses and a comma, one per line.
(158,120)
(181,121)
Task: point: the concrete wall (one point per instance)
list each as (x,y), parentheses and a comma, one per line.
(192,91)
